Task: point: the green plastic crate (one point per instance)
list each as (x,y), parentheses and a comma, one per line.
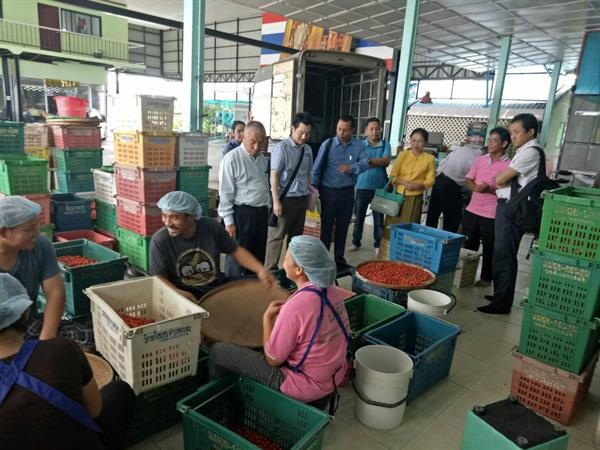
(41,306)
(571,223)
(135,246)
(80,160)
(48,231)
(12,137)
(110,266)
(557,339)
(106,217)
(20,174)
(366,312)
(194,181)
(565,285)
(234,401)
(74,182)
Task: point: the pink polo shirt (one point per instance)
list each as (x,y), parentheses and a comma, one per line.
(485,170)
(291,334)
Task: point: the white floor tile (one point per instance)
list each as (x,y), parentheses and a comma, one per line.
(466,369)
(494,328)
(483,347)
(437,435)
(461,316)
(456,414)
(341,435)
(435,400)
(495,383)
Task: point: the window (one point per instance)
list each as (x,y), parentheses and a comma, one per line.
(81,23)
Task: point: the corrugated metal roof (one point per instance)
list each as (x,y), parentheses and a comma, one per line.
(475,109)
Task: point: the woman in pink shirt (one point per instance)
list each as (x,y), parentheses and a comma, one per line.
(478,219)
(305,338)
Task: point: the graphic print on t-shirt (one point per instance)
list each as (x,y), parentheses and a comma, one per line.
(195,267)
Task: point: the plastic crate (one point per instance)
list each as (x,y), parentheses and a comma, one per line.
(135,246)
(428,341)
(144,185)
(148,149)
(41,199)
(12,139)
(152,355)
(466,270)
(36,135)
(48,231)
(213,194)
(312,224)
(106,217)
(396,296)
(552,392)
(204,204)
(74,182)
(70,212)
(570,223)
(443,283)
(194,181)
(143,112)
(104,185)
(565,285)
(80,160)
(74,137)
(367,312)
(142,218)
(40,152)
(110,266)
(233,401)
(92,236)
(22,174)
(425,246)
(192,149)
(557,339)
(40,306)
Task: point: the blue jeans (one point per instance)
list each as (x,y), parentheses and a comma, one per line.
(336,209)
(361,203)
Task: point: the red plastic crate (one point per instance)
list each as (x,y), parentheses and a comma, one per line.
(90,235)
(141,218)
(41,199)
(552,392)
(144,185)
(76,137)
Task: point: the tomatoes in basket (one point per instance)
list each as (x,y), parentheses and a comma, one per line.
(256,438)
(75,260)
(134,322)
(394,273)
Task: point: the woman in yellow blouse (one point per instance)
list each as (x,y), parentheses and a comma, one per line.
(413,173)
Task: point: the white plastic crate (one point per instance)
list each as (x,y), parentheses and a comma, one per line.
(192,149)
(105,186)
(153,355)
(143,112)
(466,269)
(36,135)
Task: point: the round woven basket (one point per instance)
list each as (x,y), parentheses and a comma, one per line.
(395,286)
(103,373)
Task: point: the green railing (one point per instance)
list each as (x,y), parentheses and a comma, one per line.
(51,39)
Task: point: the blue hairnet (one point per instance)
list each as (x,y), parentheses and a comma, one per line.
(312,255)
(180,202)
(13,300)
(15,210)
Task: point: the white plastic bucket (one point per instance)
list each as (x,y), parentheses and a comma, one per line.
(432,303)
(383,374)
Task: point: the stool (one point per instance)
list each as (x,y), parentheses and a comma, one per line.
(347,271)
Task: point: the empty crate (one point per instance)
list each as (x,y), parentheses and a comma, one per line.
(70,212)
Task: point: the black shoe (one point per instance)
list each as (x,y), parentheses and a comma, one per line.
(492,309)
(489,297)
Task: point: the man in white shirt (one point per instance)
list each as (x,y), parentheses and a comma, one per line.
(523,168)
(244,196)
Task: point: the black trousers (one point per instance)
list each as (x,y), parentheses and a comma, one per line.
(251,223)
(118,403)
(478,228)
(336,209)
(446,198)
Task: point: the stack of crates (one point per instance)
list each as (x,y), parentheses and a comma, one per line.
(39,141)
(193,169)
(145,150)
(22,174)
(105,192)
(558,347)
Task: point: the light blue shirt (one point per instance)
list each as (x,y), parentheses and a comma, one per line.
(374,177)
(284,159)
(352,154)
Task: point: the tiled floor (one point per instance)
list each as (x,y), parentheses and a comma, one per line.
(480,374)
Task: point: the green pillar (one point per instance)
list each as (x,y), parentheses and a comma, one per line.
(409,36)
(550,103)
(499,82)
(193,63)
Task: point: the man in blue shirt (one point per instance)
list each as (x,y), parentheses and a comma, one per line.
(336,168)
(375,177)
(237,134)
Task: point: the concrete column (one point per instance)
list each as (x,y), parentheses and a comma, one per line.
(499,83)
(193,63)
(550,103)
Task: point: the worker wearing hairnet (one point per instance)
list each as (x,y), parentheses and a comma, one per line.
(305,339)
(30,258)
(186,252)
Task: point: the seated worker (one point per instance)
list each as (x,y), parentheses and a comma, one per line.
(48,396)
(31,259)
(305,339)
(186,252)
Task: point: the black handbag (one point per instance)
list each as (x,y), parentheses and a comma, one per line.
(273,219)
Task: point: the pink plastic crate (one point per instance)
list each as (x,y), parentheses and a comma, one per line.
(141,218)
(90,235)
(76,137)
(144,185)
(41,199)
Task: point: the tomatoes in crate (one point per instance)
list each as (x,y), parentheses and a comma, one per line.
(134,322)
(395,274)
(76,260)
(257,439)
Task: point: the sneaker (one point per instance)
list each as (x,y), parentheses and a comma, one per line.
(354,248)
(376,251)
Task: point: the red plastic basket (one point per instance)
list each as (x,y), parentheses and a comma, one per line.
(74,137)
(41,199)
(90,235)
(552,392)
(141,218)
(144,185)
(71,106)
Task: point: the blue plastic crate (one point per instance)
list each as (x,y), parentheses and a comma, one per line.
(429,342)
(70,212)
(434,249)
(395,296)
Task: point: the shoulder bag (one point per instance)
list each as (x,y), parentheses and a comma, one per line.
(272,217)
